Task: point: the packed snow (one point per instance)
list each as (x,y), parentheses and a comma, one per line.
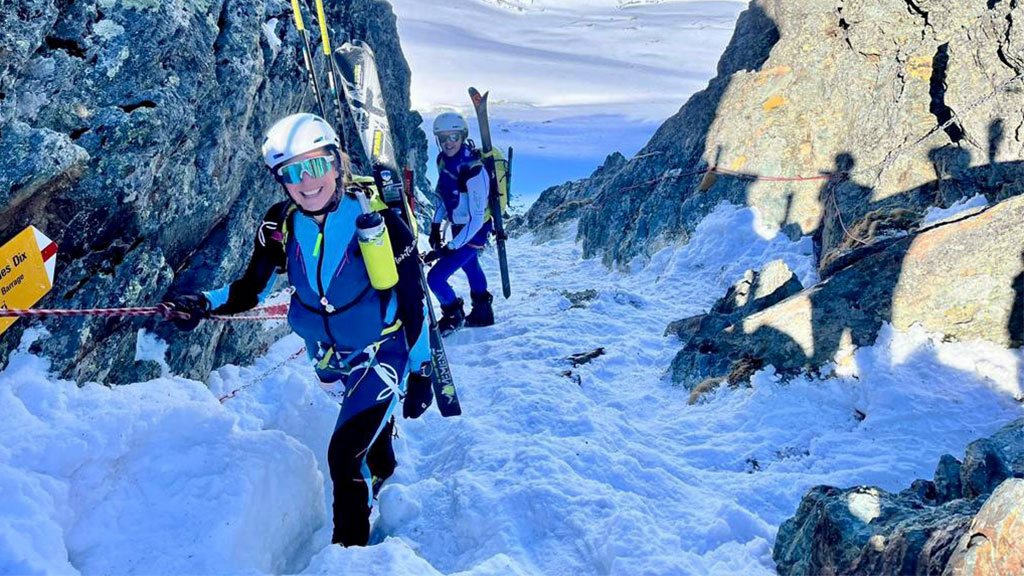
(599,469)
(959,209)
(570,80)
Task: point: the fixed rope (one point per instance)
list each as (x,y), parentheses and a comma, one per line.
(262,314)
(266,373)
(275,312)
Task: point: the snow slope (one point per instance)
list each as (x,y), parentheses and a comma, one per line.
(613,474)
(571,80)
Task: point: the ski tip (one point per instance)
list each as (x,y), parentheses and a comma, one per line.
(362,45)
(475,95)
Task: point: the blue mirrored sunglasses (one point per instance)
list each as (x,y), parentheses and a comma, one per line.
(315,167)
(449,137)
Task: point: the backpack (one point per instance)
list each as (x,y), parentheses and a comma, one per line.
(499,173)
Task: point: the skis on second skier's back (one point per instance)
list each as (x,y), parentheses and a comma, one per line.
(365,100)
(490,157)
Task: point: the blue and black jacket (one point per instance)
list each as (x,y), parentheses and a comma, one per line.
(333,308)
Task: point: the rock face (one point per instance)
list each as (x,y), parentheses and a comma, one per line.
(132,131)
(884,109)
(701,358)
(567,202)
(954,278)
(933,527)
(992,543)
(847,120)
(857,93)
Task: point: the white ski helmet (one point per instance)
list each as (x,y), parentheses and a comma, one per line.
(451,122)
(294,135)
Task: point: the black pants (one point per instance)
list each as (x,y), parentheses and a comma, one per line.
(360,452)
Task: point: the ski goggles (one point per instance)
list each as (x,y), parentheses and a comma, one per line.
(452,137)
(315,167)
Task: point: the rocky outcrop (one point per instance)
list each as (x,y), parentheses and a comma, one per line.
(955,279)
(991,545)
(756,291)
(131,130)
(887,106)
(965,521)
(566,202)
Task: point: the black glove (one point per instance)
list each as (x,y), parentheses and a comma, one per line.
(418,396)
(435,236)
(437,254)
(186,311)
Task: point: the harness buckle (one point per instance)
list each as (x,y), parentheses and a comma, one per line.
(327,305)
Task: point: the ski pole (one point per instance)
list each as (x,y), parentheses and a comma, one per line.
(508,176)
(307,58)
(332,71)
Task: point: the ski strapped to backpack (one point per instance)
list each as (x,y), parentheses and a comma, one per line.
(497,200)
(366,104)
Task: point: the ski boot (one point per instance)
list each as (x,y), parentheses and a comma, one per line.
(482,314)
(453,319)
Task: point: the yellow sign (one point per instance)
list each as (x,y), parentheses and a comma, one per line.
(26,271)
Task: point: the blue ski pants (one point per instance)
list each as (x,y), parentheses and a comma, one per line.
(466,258)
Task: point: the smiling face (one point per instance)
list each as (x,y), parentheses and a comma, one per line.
(450,142)
(312,193)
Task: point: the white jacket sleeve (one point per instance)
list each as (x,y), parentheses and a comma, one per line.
(479,188)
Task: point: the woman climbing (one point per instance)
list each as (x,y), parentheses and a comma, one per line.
(356,302)
(463,186)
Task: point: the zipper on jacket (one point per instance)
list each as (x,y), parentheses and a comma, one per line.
(319,282)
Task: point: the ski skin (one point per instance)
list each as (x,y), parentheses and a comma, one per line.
(480,105)
(441,378)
